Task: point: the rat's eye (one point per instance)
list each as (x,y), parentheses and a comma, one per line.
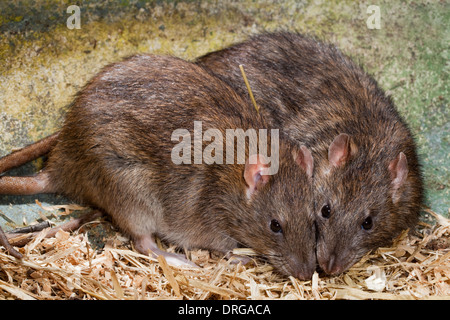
(275,226)
(326,211)
(367,224)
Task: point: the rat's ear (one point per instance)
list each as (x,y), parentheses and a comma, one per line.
(255,173)
(304,159)
(339,150)
(398,169)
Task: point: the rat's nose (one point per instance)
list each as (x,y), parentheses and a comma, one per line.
(330,266)
(302,270)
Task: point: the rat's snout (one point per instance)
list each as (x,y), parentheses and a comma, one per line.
(330,265)
(304,274)
(335,263)
(330,259)
(301,269)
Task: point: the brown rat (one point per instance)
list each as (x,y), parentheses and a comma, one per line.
(114,152)
(367,179)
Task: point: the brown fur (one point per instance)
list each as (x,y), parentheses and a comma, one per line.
(114,153)
(315,93)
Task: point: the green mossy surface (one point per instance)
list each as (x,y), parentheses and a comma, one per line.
(43,63)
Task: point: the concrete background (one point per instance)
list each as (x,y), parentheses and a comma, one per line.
(43,63)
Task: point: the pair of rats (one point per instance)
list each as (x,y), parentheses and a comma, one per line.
(348,179)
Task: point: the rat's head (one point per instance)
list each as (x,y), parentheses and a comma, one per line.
(364,197)
(280,224)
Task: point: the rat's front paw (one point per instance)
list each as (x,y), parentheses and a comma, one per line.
(177,260)
(146,245)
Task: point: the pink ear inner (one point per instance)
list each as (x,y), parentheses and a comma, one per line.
(339,150)
(305,160)
(255,174)
(398,169)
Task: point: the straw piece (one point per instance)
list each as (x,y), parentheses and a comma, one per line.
(244,252)
(169,275)
(298,288)
(116,284)
(248,88)
(315,285)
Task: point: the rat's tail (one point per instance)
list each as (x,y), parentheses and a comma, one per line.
(28,153)
(39,183)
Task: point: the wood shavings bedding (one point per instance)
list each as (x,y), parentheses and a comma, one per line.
(67,267)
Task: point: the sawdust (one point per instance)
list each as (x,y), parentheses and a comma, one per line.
(67,267)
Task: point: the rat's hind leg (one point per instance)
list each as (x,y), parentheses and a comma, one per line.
(146,245)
